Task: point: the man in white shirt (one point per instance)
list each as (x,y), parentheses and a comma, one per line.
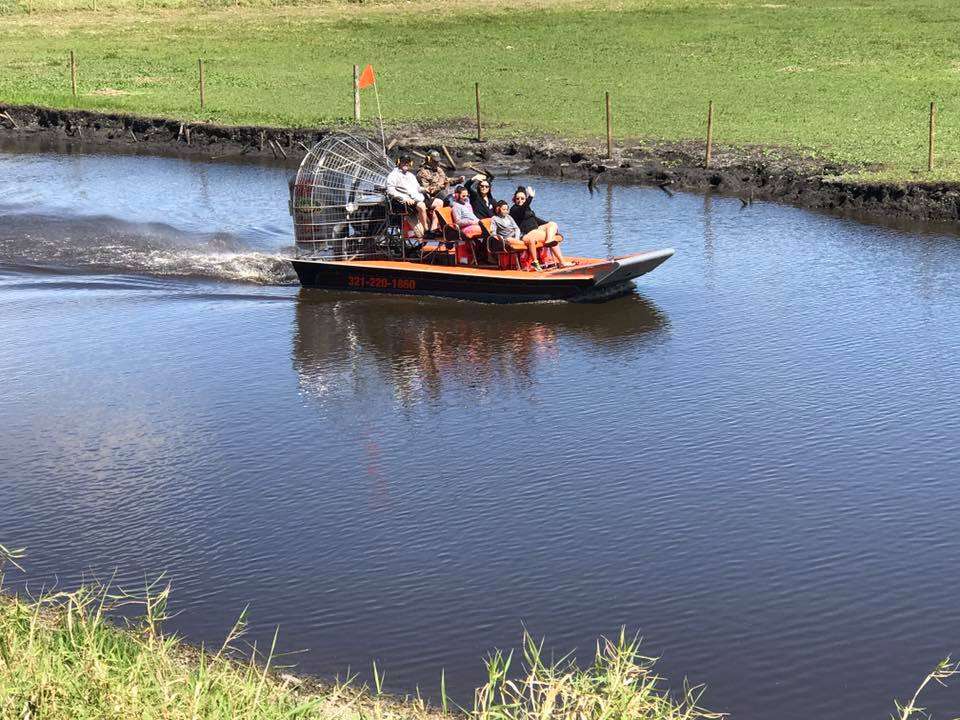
(404,192)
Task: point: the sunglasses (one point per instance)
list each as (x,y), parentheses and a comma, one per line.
(484,185)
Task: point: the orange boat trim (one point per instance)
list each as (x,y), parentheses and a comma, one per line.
(585,268)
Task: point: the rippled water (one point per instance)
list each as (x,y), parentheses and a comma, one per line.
(752,461)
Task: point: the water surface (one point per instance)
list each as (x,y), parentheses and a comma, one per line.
(752,461)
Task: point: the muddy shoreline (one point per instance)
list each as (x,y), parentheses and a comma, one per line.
(749,172)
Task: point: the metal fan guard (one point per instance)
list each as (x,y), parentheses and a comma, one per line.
(338,200)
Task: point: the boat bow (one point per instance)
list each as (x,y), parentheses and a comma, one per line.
(620,269)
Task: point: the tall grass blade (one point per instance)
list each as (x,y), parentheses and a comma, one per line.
(945,669)
(443,691)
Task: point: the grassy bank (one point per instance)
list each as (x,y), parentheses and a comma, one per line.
(849,80)
(62,658)
(101,653)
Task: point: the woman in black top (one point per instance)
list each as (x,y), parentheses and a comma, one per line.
(533,227)
(481,198)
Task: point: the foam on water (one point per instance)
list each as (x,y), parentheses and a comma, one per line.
(96,244)
(141,215)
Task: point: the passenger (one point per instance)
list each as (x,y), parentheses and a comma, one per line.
(505,228)
(533,227)
(463,214)
(405,194)
(481,195)
(434,181)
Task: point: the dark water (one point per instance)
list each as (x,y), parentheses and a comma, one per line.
(753,461)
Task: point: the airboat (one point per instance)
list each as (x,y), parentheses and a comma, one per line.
(348,237)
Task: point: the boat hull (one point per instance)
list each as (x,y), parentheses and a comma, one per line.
(590,280)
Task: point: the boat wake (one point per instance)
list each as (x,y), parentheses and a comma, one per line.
(103,244)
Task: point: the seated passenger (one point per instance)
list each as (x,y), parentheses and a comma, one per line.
(405,194)
(533,227)
(481,195)
(463,214)
(433,180)
(505,227)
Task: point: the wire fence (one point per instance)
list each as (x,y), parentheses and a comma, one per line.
(608,115)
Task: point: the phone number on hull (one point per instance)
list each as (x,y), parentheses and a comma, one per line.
(380,283)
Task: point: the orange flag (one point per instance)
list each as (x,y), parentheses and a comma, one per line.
(367,78)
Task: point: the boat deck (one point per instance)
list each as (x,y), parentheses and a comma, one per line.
(584,269)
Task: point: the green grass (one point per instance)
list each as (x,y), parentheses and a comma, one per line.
(848,79)
(63,658)
(60,658)
(101,653)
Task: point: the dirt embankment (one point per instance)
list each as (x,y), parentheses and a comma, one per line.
(748,172)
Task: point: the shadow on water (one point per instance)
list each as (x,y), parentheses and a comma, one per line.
(421,345)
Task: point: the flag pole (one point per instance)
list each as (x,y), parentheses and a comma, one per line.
(383,140)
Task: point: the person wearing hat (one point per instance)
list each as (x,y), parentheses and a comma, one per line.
(433,180)
(405,193)
(435,185)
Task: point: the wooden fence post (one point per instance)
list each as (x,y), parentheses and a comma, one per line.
(609,130)
(73,74)
(203,85)
(933,130)
(706,161)
(476,88)
(356,93)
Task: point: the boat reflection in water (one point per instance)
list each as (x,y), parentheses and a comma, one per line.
(346,344)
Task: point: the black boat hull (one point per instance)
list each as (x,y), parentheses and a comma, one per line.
(599,280)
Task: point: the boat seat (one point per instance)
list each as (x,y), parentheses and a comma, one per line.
(451,233)
(453,237)
(432,246)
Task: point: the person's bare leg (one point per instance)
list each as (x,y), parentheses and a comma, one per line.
(550,230)
(531,239)
(532,249)
(550,233)
(422,215)
(435,204)
(536,236)
(558,255)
